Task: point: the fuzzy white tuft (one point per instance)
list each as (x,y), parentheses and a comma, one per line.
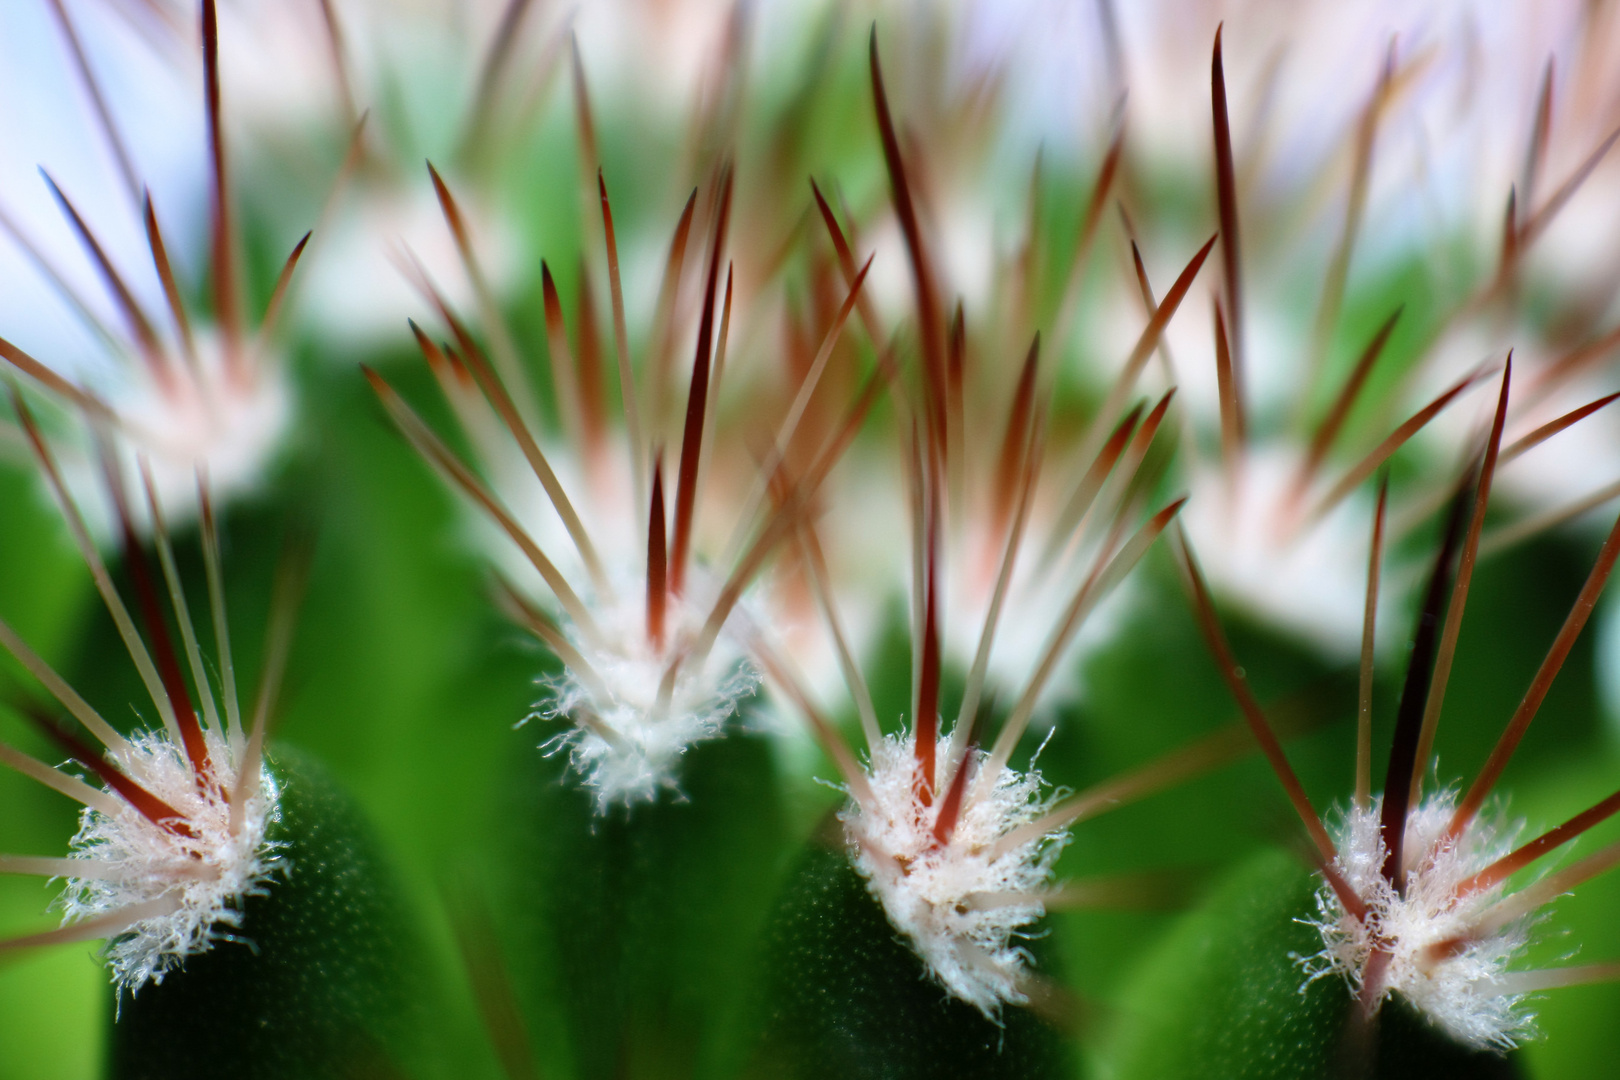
(628,748)
(1461,992)
(229,424)
(205,875)
(1257,550)
(960,904)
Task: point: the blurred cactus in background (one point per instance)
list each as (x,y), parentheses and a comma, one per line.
(818,528)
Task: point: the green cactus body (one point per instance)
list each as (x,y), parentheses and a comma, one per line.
(322,979)
(1225,994)
(632,932)
(846,996)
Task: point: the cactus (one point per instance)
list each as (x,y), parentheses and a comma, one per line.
(851,419)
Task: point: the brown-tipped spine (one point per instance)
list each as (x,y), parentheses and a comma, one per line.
(950,808)
(146,337)
(92,86)
(1226,388)
(928,684)
(592,394)
(584,118)
(1409,714)
(168,664)
(223,254)
(564,369)
(1226,199)
(1459,591)
(1209,625)
(697,400)
(278,295)
(905,209)
(668,292)
(145,803)
(1346,400)
(846,261)
(1574,622)
(956,368)
(657,559)
(621,337)
(171,290)
(1010,464)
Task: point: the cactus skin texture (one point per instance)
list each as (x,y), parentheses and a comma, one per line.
(633,932)
(1224,995)
(845,996)
(326,987)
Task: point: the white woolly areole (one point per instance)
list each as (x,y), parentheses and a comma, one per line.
(1460,992)
(1309,581)
(230,424)
(627,748)
(204,876)
(960,904)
